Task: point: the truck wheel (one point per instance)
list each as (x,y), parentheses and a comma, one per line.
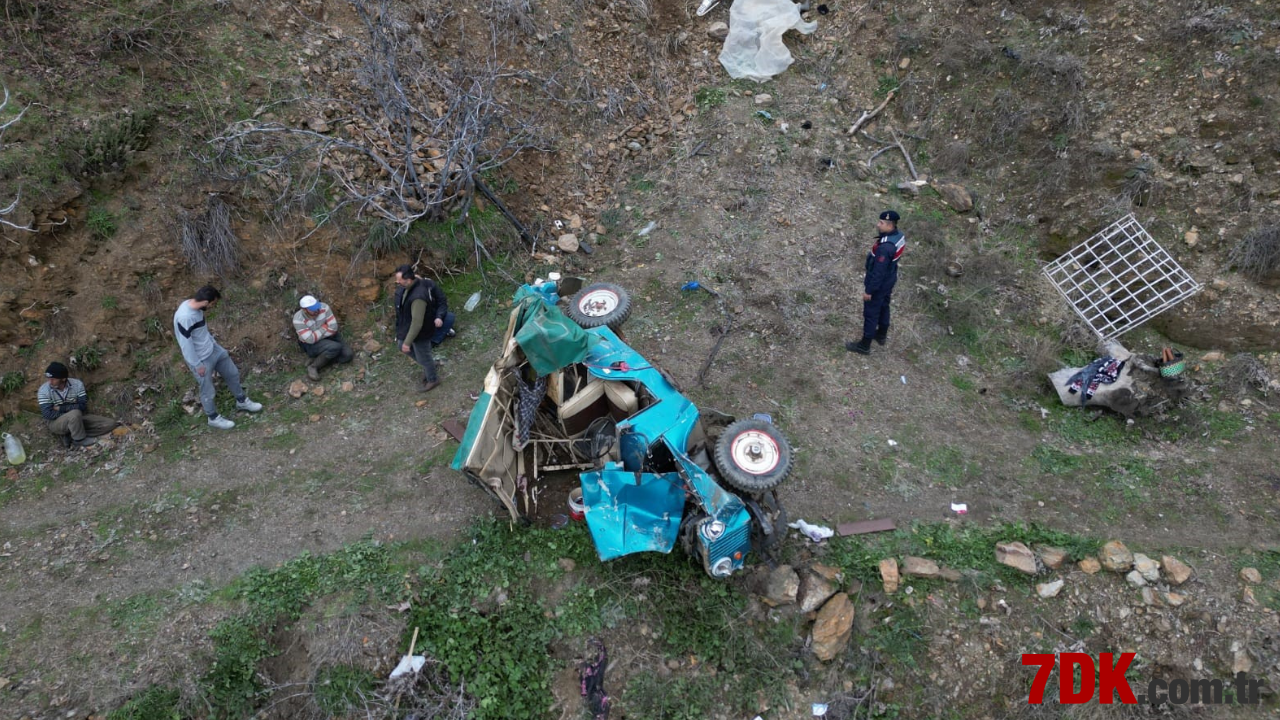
(600,305)
(752,456)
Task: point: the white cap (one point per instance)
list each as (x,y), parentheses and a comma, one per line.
(309,302)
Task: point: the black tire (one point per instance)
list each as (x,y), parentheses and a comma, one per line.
(767,509)
(600,305)
(753,456)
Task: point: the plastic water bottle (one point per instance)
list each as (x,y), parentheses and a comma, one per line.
(13,450)
(472,301)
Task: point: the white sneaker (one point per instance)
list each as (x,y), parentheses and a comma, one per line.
(221,423)
(248,405)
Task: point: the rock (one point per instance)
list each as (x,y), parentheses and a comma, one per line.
(575,222)
(313,418)
(1250,575)
(781,586)
(568,242)
(1149,596)
(1213,356)
(717,31)
(909,188)
(1173,599)
(919,567)
(317,390)
(949,574)
(764,100)
(297,389)
(1050,589)
(833,628)
(817,585)
(904,63)
(121,431)
(954,195)
(889,575)
(1017,556)
(1175,571)
(372,346)
(318,124)
(1240,660)
(1135,579)
(1150,569)
(1052,557)
(348,386)
(1089,565)
(567,564)
(1191,237)
(1116,557)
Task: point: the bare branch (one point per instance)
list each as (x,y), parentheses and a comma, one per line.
(12,207)
(408,140)
(867,115)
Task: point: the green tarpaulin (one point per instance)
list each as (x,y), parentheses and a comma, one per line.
(549,340)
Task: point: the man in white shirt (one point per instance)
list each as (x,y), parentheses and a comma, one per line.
(205,356)
(317,330)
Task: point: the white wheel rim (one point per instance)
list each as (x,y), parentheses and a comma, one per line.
(755,452)
(598,303)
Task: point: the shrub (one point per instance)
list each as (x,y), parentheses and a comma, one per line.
(102,223)
(1257,254)
(12,382)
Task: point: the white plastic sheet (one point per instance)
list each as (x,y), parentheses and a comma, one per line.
(754,47)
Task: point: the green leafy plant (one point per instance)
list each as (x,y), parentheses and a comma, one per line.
(12,381)
(102,223)
(709,97)
(110,302)
(341,689)
(88,357)
(156,703)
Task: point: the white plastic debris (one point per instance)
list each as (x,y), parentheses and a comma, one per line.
(1044,414)
(754,48)
(408,664)
(648,228)
(893,443)
(819,709)
(904,379)
(959,508)
(816,533)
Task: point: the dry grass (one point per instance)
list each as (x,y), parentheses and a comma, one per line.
(953,159)
(1257,254)
(1244,372)
(208,242)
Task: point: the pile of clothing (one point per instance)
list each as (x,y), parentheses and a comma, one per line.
(1103,371)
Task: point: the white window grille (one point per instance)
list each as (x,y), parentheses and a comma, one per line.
(1120,278)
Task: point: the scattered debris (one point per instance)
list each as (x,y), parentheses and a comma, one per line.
(960,508)
(816,533)
(591,682)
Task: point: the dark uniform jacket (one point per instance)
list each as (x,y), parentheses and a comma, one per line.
(882,262)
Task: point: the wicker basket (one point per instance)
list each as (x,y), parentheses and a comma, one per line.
(1174,368)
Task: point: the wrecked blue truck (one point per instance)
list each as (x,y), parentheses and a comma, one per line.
(570,408)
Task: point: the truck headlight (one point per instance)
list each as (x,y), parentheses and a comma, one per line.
(713,530)
(722,568)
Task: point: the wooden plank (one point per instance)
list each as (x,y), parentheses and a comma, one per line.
(454,428)
(863,527)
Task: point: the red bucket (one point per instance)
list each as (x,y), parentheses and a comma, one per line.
(577,509)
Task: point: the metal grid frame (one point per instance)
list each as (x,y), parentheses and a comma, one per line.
(1120,278)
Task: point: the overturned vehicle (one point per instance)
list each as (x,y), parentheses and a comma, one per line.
(569,409)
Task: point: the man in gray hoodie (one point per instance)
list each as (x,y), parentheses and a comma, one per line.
(205,356)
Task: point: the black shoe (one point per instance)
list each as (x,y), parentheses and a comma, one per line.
(862,347)
(882,337)
(86,441)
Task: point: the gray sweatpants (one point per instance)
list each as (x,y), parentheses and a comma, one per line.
(219,362)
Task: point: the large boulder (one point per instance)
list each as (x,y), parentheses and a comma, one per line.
(833,628)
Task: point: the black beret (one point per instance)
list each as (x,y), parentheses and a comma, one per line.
(889,215)
(56,370)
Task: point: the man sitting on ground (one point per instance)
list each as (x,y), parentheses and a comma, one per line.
(318,336)
(63,401)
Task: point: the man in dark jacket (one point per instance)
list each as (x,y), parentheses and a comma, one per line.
(420,309)
(877,288)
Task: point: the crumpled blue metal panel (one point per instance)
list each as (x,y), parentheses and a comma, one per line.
(625,517)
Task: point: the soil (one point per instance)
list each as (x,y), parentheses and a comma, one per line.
(775,217)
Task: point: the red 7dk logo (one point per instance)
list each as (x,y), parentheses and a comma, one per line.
(1110,677)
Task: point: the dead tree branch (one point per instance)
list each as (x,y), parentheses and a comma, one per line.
(408,139)
(12,207)
(868,115)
